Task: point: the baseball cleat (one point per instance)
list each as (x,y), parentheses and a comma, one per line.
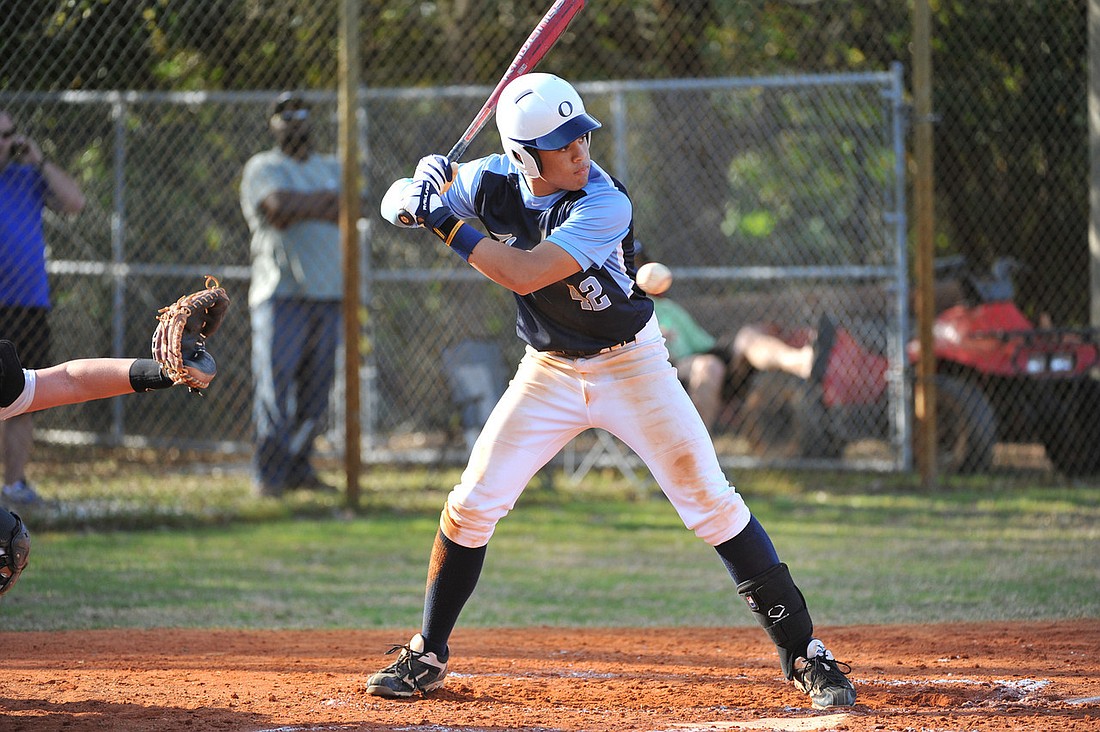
(824,678)
(21,493)
(413,671)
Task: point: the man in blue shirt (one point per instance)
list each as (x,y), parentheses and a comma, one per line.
(28,184)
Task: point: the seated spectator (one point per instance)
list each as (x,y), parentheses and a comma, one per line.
(706,366)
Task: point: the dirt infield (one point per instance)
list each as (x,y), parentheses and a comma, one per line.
(982,676)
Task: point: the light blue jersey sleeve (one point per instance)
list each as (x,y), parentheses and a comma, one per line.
(460,196)
(594,231)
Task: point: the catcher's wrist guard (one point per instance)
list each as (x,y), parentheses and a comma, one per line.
(147,375)
(179,342)
(15,548)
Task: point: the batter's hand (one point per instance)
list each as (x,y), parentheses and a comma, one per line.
(421,201)
(391,206)
(437,170)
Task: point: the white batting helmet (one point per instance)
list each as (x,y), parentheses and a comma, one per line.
(540,112)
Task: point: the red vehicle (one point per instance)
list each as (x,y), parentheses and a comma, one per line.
(1000,377)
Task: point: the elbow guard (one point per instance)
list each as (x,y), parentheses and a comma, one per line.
(146,375)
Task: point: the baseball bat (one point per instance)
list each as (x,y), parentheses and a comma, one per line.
(542,38)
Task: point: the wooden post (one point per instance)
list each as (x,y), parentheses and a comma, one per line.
(923,199)
(349,237)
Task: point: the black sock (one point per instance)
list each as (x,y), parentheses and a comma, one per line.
(748,554)
(452,576)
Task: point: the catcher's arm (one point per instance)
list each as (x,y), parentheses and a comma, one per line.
(71,382)
(88,379)
(179,357)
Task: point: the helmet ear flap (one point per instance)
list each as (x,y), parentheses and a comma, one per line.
(534,153)
(528,158)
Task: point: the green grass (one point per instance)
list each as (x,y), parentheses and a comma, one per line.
(139,543)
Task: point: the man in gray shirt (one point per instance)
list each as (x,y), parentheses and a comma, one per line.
(290,199)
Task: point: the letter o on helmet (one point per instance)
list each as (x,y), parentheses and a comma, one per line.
(540,112)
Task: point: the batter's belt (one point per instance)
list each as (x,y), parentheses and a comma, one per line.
(650,330)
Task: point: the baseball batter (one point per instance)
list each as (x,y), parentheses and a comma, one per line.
(561,238)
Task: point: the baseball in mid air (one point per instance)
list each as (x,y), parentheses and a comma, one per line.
(654,277)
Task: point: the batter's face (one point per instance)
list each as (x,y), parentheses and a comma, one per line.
(565,169)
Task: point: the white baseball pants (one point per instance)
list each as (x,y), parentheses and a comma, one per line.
(633,393)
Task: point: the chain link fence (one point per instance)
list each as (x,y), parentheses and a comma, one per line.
(764,146)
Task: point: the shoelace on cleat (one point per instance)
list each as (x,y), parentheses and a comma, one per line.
(828,665)
(395,667)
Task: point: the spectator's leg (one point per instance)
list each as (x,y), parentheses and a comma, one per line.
(769,353)
(313,383)
(18,441)
(706,374)
(274,363)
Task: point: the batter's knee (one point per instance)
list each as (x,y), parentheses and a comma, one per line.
(466,526)
(722,521)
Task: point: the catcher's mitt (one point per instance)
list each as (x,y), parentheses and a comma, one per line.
(179,342)
(15,548)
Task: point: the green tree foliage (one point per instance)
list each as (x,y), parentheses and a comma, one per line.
(1012,142)
(1009,94)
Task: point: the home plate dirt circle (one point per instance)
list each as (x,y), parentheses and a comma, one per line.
(994,676)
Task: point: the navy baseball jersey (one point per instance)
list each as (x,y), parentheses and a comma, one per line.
(599,306)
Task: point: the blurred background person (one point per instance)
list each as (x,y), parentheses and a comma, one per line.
(711,367)
(290,199)
(29,183)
